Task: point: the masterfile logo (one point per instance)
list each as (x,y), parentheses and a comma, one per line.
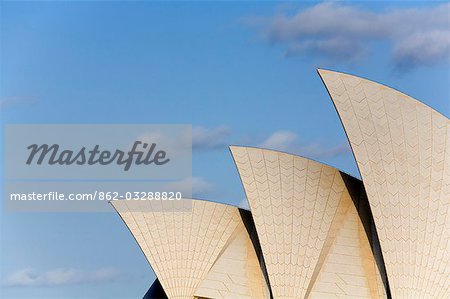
(143,152)
(52,155)
(86,165)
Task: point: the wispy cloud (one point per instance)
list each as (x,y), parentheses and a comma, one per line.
(210,138)
(281,140)
(318,150)
(58,277)
(8,102)
(290,142)
(416,36)
(196,186)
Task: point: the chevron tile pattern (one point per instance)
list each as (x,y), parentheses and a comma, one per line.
(294,201)
(236,272)
(402,148)
(184,246)
(347,268)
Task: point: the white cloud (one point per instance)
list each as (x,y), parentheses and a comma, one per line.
(203,139)
(196,186)
(281,140)
(289,142)
(207,139)
(417,36)
(200,186)
(57,277)
(422,48)
(317,150)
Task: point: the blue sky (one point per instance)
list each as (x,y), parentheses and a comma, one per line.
(241,73)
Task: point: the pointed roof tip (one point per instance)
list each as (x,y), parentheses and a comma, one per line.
(231,147)
(320,71)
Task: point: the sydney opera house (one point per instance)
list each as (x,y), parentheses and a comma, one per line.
(313,231)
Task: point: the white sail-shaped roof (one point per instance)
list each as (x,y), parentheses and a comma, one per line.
(196,252)
(306,220)
(402,148)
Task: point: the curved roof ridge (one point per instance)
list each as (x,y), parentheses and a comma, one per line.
(190,199)
(319,70)
(295,155)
